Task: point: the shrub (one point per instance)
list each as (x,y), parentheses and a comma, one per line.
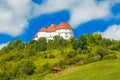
(20,56)
(84,51)
(60,64)
(27,68)
(110,56)
(114,47)
(90,60)
(51,56)
(46,68)
(45,56)
(71,54)
(4,76)
(101,51)
(79,50)
(31,53)
(74,60)
(89,55)
(10,57)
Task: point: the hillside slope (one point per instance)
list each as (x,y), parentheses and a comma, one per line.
(103,70)
(34,60)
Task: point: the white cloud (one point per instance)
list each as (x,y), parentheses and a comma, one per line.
(88,10)
(113,32)
(13,16)
(80,10)
(50,6)
(3,45)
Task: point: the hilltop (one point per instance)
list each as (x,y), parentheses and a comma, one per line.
(34,60)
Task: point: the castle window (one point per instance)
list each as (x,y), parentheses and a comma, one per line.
(66,35)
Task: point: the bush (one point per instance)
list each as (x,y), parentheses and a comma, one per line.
(20,56)
(51,56)
(79,50)
(84,52)
(31,53)
(89,55)
(4,76)
(90,60)
(101,51)
(114,47)
(74,60)
(110,56)
(46,68)
(60,64)
(71,54)
(45,56)
(27,68)
(10,57)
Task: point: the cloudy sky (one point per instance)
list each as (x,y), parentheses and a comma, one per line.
(21,19)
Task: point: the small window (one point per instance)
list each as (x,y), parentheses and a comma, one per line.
(66,35)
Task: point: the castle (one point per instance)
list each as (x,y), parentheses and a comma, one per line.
(63,29)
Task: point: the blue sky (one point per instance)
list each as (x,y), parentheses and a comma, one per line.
(21,19)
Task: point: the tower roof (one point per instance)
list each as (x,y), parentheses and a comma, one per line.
(52,28)
(64,25)
(43,30)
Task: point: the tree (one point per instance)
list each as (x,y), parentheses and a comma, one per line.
(41,44)
(115,45)
(105,42)
(59,42)
(17,44)
(81,42)
(14,44)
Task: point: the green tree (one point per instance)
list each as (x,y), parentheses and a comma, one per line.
(105,42)
(58,42)
(81,42)
(115,45)
(41,44)
(17,44)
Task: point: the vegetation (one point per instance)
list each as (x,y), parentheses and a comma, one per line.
(35,59)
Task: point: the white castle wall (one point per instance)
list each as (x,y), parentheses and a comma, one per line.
(65,33)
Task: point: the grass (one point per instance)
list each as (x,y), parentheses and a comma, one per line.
(102,70)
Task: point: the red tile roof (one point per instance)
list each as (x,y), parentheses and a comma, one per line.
(52,28)
(64,25)
(43,30)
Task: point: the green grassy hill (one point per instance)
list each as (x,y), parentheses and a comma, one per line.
(102,70)
(35,59)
